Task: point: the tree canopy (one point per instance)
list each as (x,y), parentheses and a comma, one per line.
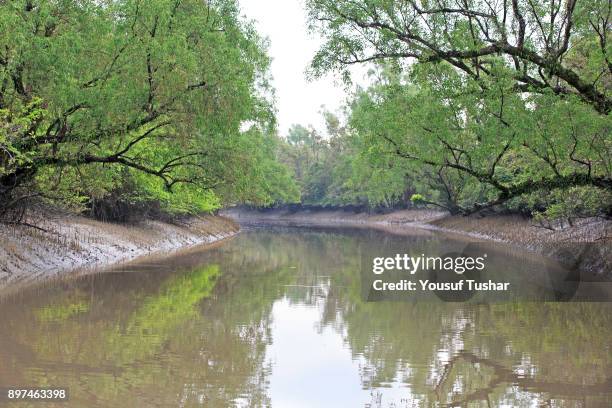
(540,45)
(478,103)
(165,100)
(472,104)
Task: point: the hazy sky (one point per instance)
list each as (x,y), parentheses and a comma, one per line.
(291,48)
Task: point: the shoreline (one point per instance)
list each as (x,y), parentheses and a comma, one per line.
(69,244)
(586,246)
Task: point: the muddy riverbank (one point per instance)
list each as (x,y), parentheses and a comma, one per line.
(586,246)
(61,244)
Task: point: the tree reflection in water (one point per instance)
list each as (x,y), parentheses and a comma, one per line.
(203,329)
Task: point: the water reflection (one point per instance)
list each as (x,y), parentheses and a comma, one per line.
(277,318)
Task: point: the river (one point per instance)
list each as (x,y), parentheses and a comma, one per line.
(277,317)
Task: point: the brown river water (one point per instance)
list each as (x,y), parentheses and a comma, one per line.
(279,317)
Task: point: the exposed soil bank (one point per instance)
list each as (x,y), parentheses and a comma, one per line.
(586,246)
(70,243)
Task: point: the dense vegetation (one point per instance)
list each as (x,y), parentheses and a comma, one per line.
(114,105)
(473,105)
(126,106)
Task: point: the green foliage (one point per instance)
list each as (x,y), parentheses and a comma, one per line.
(417,198)
(563,205)
(475,111)
(24,119)
(469,154)
(339,170)
(482,40)
(154,95)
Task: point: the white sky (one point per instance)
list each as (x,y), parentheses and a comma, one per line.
(291,49)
